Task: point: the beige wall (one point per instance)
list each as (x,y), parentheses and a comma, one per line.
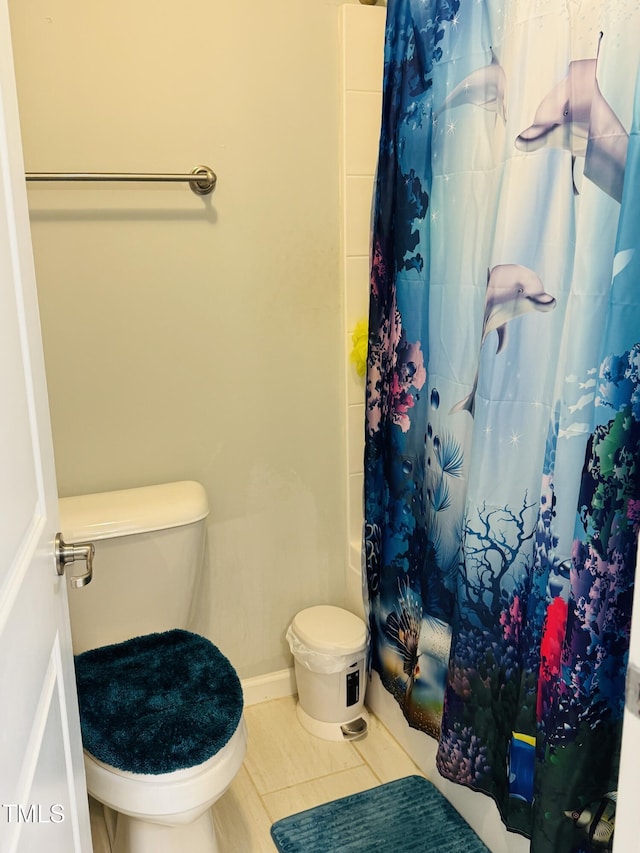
(191,338)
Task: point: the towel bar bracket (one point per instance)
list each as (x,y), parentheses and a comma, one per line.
(206,181)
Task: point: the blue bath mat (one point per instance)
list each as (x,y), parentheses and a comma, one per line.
(409,814)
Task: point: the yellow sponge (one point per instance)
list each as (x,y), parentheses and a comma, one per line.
(360,342)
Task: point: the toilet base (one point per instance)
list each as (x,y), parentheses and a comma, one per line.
(133,835)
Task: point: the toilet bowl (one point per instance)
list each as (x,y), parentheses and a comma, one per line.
(167,812)
(156,792)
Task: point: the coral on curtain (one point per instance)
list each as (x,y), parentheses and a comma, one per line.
(502,449)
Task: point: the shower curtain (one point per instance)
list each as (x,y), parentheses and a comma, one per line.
(502,446)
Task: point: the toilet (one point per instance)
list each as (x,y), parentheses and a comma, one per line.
(160,706)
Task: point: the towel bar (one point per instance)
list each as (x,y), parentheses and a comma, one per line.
(201,179)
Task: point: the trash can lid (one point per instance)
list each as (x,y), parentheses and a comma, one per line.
(330,629)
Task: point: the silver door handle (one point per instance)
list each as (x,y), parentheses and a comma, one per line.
(69,554)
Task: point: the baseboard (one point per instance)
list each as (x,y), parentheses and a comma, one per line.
(273,685)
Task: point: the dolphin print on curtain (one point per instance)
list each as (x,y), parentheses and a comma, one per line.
(502,445)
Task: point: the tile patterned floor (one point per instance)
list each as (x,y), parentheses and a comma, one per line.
(287,770)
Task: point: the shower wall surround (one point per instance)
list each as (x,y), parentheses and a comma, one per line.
(191,338)
(361,57)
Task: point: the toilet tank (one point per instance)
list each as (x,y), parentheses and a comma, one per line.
(150,544)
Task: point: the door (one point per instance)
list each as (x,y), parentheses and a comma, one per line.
(43,801)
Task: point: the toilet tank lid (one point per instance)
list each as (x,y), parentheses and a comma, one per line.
(128,511)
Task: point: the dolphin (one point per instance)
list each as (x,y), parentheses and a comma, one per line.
(512,290)
(485,87)
(575,116)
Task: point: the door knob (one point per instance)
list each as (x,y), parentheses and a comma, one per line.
(70,554)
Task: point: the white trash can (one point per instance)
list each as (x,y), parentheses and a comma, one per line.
(329,647)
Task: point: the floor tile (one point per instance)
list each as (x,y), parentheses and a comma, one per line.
(99,834)
(281,753)
(384,755)
(241,821)
(309,794)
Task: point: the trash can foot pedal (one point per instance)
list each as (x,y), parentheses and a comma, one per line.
(334,731)
(355,730)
